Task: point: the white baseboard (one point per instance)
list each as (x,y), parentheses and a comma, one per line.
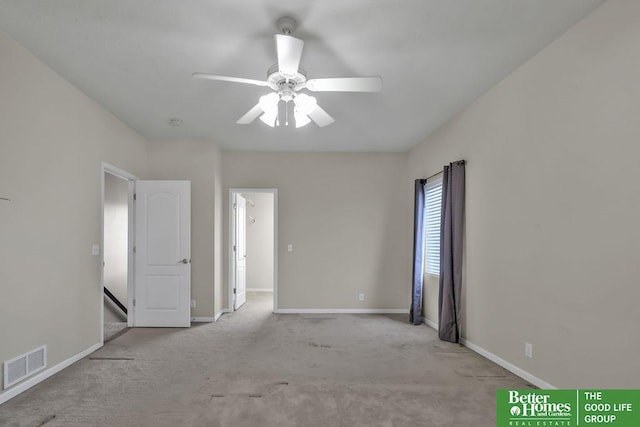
(341,311)
(431,323)
(210,319)
(508,366)
(26,385)
(499,361)
(259,290)
(203,319)
(220,313)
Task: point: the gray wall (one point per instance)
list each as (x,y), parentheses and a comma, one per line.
(552,235)
(53,140)
(260,235)
(346,216)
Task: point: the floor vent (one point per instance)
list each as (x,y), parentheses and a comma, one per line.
(21,367)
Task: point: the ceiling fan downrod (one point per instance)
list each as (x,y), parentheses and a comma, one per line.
(286,25)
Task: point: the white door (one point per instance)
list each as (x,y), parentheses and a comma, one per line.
(240,251)
(162,288)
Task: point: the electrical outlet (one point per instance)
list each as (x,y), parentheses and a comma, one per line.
(193,303)
(528,349)
(361,297)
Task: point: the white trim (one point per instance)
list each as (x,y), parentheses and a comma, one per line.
(220,313)
(430,323)
(113,170)
(507,365)
(275,249)
(499,361)
(26,385)
(131,264)
(259,290)
(341,311)
(203,319)
(231,271)
(230,260)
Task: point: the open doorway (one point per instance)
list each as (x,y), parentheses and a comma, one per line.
(116,250)
(253,243)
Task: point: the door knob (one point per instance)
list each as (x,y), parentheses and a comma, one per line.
(184,261)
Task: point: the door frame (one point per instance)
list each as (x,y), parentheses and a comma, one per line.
(130,178)
(231,258)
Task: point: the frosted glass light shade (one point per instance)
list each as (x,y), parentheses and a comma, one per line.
(301,118)
(305,103)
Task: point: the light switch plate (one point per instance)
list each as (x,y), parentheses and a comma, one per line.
(290,248)
(95,250)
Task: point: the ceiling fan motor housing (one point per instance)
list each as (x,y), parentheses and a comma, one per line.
(286,86)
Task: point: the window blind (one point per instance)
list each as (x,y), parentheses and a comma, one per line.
(433,202)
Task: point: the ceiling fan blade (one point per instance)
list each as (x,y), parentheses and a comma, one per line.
(320,117)
(229,79)
(346,84)
(251,115)
(289,54)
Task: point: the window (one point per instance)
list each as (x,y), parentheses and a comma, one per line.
(433,205)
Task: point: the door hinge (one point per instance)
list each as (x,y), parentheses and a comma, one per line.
(234,205)
(135,196)
(234,291)
(134,302)
(134,249)
(234,248)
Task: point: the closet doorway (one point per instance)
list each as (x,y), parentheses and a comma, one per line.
(252,247)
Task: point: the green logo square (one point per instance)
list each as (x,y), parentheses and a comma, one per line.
(551,408)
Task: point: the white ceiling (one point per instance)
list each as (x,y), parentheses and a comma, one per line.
(135,58)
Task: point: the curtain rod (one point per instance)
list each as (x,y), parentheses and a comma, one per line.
(457,162)
(434,175)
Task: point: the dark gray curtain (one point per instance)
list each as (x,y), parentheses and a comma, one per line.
(415,313)
(451,225)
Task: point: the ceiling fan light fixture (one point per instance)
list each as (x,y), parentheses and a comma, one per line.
(305,103)
(269,118)
(286,78)
(301,118)
(269,103)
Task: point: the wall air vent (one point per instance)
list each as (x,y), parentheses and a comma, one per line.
(23,366)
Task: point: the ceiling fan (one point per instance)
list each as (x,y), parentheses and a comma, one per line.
(287,79)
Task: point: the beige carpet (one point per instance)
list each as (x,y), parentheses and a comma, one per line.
(113,330)
(254,368)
